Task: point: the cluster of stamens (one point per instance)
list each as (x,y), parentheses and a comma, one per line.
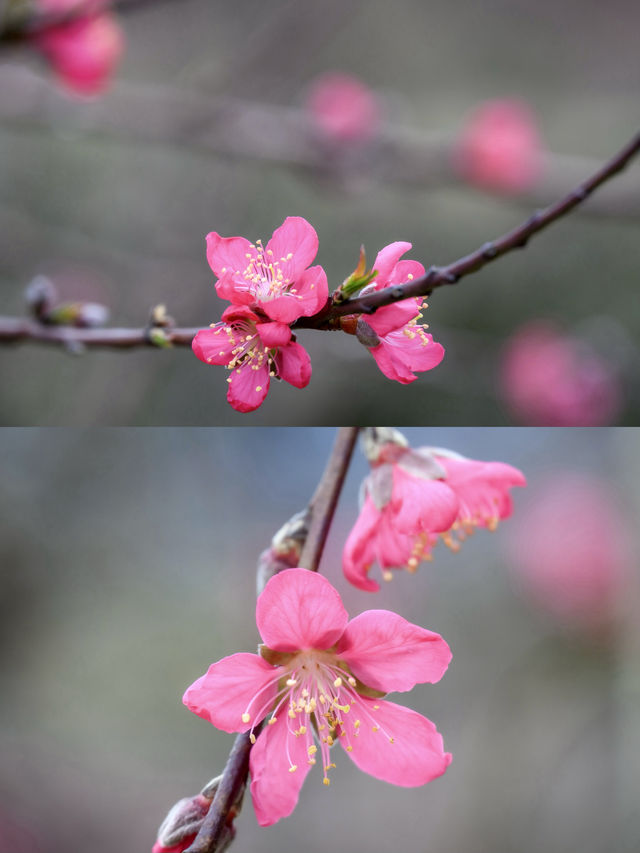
(247,347)
(416,329)
(265,276)
(317,693)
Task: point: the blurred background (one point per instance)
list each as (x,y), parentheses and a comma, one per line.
(207,125)
(129,566)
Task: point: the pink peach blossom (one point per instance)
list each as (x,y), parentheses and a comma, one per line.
(253,351)
(316,682)
(412,498)
(404,345)
(83,52)
(343,108)
(551,379)
(500,147)
(570,551)
(276,279)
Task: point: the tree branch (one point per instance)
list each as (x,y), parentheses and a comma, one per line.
(517,238)
(318,515)
(17,330)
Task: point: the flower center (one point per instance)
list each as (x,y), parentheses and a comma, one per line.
(247,347)
(317,692)
(267,277)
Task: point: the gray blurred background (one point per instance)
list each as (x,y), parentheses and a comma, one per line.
(122,219)
(129,566)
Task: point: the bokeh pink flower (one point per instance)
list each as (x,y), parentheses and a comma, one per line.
(343,108)
(255,352)
(570,551)
(500,147)
(277,278)
(404,344)
(415,497)
(318,681)
(551,379)
(83,52)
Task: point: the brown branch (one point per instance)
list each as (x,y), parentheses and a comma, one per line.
(27,20)
(517,238)
(318,515)
(17,330)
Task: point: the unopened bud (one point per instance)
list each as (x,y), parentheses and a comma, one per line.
(159,338)
(79,314)
(285,549)
(356,280)
(41,295)
(183,821)
(378,443)
(159,317)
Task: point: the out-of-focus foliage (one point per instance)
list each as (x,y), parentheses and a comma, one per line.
(123,222)
(129,565)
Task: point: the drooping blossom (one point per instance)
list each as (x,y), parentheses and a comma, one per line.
(343,108)
(500,147)
(552,379)
(83,52)
(275,278)
(400,345)
(318,681)
(570,551)
(254,352)
(414,497)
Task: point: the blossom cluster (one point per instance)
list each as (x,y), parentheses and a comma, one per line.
(270,287)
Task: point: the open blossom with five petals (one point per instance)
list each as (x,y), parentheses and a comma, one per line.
(275,278)
(84,51)
(254,351)
(400,345)
(318,681)
(412,498)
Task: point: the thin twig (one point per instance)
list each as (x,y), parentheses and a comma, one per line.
(320,512)
(517,238)
(17,330)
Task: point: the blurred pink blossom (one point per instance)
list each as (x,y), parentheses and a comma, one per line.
(500,147)
(404,345)
(254,351)
(319,681)
(343,108)
(551,379)
(570,550)
(414,497)
(83,52)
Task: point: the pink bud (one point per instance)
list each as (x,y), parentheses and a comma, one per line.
(570,551)
(343,108)
(551,379)
(176,848)
(85,51)
(500,147)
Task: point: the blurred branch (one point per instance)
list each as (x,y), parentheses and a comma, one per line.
(318,515)
(517,238)
(275,134)
(18,330)
(23,20)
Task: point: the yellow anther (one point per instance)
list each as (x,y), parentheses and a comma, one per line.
(311,761)
(302,730)
(387,575)
(357,724)
(291,682)
(245,718)
(322,728)
(308,709)
(349,748)
(376,707)
(271,721)
(352,681)
(337,682)
(323,699)
(391,740)
(291,714)
(305,693)
(329,740)
(375,728)
(326,781)
(293,768)
(252,737)
(312,749)
(258,387)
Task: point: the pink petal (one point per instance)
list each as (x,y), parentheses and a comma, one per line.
(274,788)
(482,487)
(239,312)
(400,353)
(227,288)
(296,237)
(274,334)
(214,346)
(294,365)
(415,757)
(388,653)
(405,271)
(419,504)
(393,317)
(391,367)
(358,555)
(228,255)
(248,387)
(386,261)
(226,691)
(299,609)
(308,294)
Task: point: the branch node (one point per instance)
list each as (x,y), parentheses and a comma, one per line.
(489,251)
